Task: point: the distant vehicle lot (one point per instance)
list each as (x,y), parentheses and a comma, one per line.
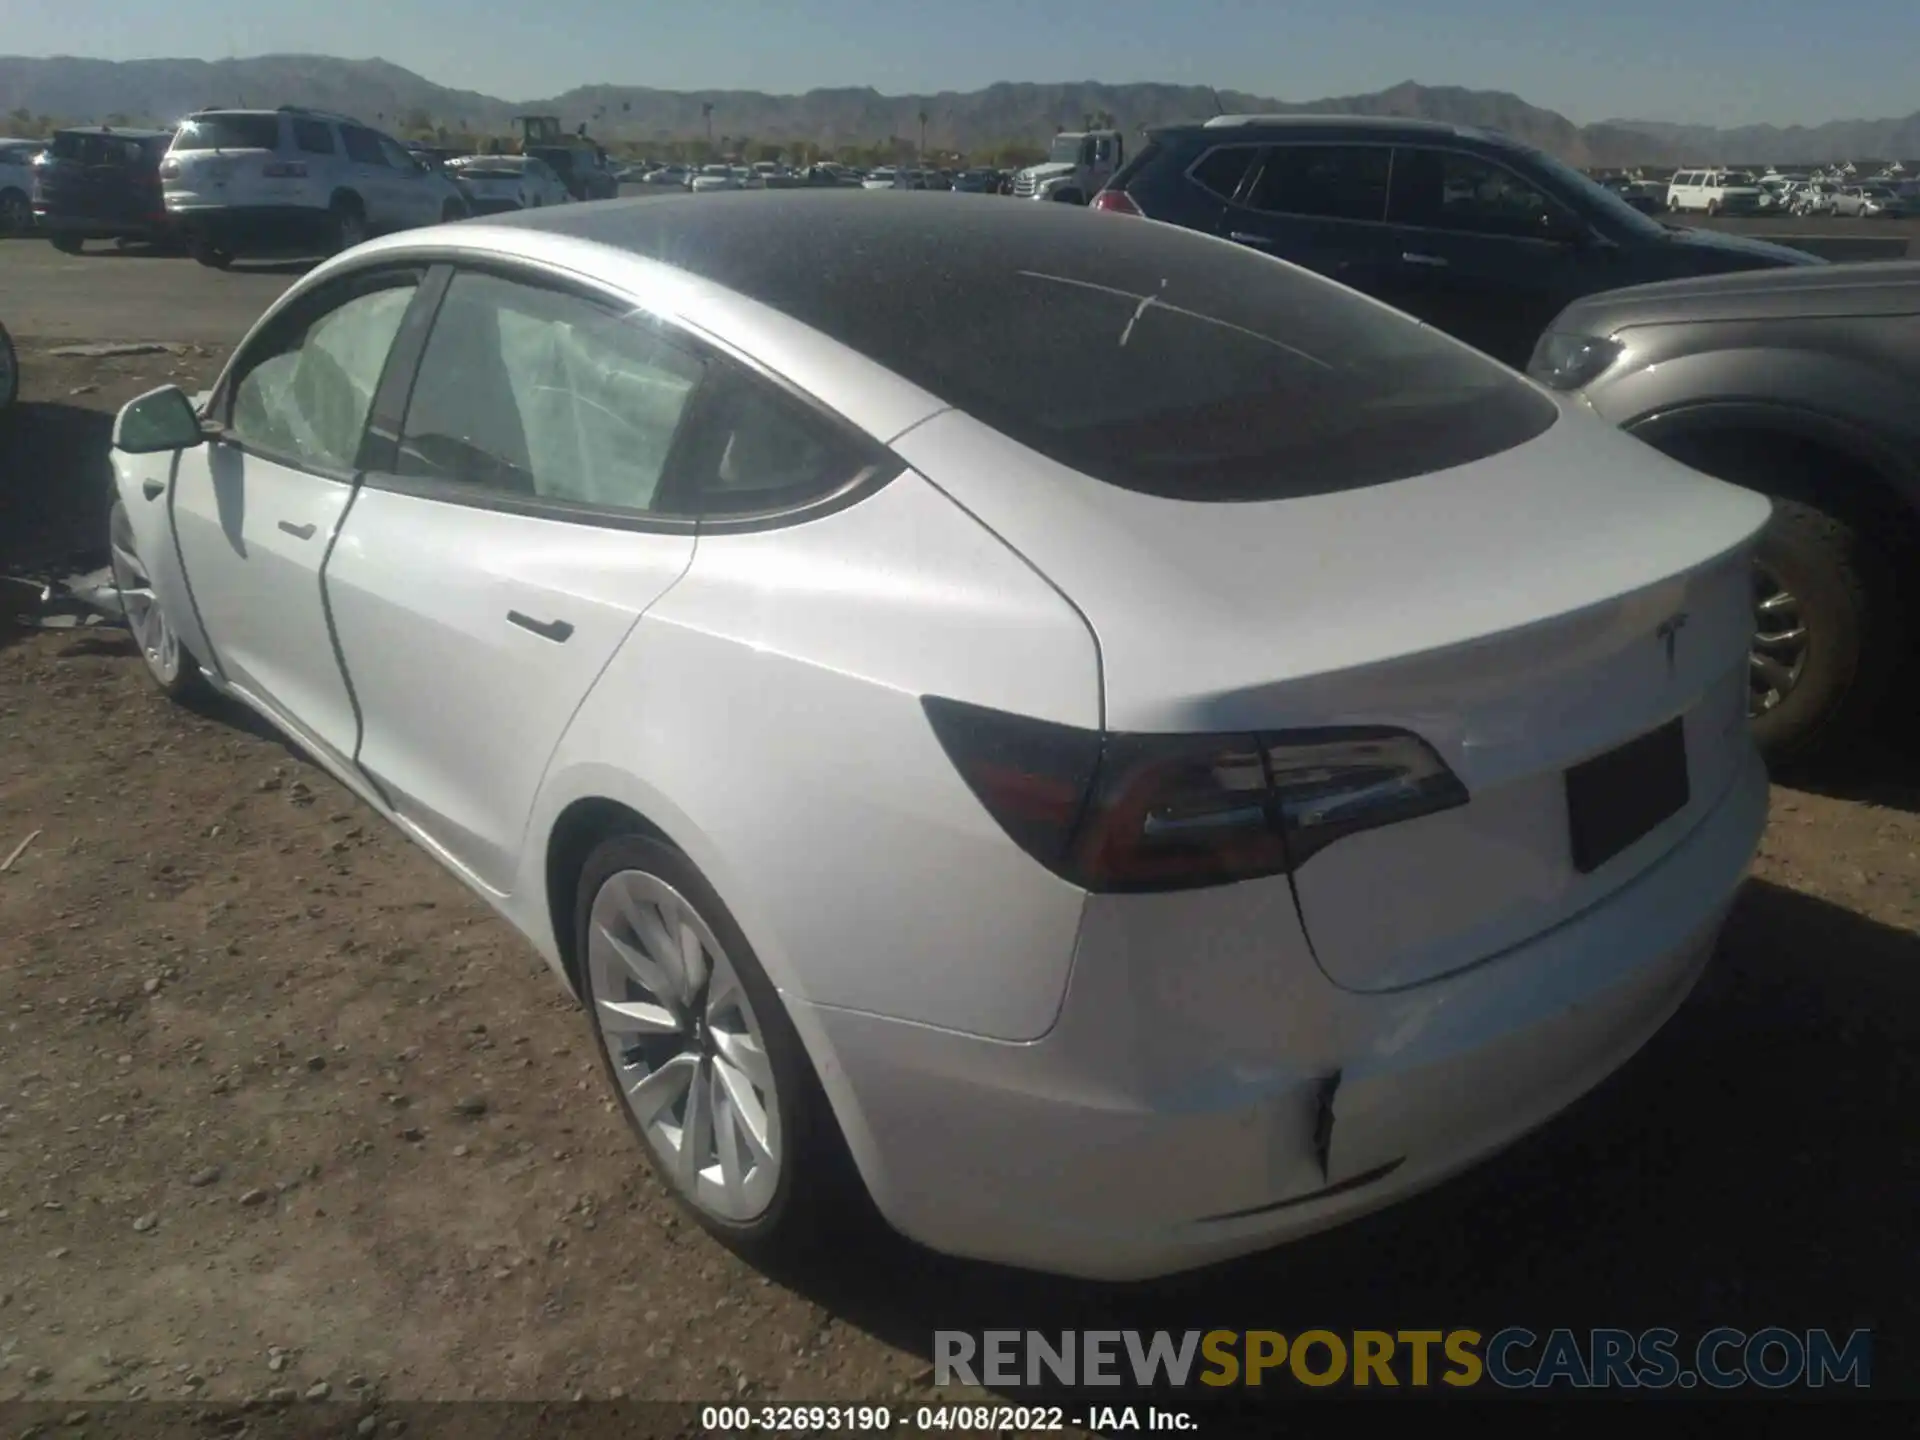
(133,295)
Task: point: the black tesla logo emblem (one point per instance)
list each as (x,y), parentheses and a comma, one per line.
(1669,636)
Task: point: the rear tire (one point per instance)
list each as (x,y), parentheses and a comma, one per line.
(16,213)
(451,211)
(815,1189)
(67,244)
(346,223)
(211,255)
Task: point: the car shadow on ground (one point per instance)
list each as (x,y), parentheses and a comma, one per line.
(1753,1166)
(56,487)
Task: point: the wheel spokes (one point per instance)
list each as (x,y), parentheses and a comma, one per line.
(658,1090)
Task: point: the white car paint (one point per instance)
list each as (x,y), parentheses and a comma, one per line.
(1105,1084)
(523,182)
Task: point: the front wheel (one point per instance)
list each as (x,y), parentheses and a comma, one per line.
(66,244)
(697,1045)
(214,257)
(1826,623)
(170,665)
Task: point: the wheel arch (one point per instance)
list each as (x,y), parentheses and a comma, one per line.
(595,814)
(346,194)
(1827,460)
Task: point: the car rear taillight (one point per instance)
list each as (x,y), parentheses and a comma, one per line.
(1116,202)
(1133,812)
(285,170)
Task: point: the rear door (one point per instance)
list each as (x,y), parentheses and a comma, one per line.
(373,179)
(1482,252)
(1320,206)
(511,529)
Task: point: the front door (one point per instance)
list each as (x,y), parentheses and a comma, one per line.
(1320,206)
(502,548)
(256,510)
(1482,253)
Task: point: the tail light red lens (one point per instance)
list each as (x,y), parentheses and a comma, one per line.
(1125,812)
(285,170)
(1116,202)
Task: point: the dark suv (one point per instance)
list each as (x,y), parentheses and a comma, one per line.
(94,182)
(1473,232)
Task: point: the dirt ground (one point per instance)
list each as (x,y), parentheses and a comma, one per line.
(284,1112)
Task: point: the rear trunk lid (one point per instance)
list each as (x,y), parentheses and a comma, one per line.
(1522,614)
(224,159)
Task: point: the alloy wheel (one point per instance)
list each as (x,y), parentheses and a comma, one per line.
(1779,654)
(159,645)
(688,1054)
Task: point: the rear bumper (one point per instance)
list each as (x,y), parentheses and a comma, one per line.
(1147,1133)
(239,228)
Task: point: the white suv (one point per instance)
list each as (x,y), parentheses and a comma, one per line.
(251,181)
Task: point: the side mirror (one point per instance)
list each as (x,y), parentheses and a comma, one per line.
(157,422)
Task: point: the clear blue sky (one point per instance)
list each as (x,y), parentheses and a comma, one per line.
(1722,62)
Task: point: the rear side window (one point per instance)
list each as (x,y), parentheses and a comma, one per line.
(362,146)
(226,131)
(313,137)
(1332,182)
(1222,170)
(758,451)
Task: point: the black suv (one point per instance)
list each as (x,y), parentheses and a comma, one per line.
(1471,231)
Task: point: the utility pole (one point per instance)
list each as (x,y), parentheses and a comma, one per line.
(923,138)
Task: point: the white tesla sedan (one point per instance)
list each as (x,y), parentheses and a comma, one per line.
(1132,750)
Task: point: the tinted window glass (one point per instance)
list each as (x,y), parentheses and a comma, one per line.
(1222,170)
(1339,182)
(762,451)
(395,156)
(362,146)
(306,395)
(536,393)
(315,137)
(1451,190)
(1142,354)
(229,132)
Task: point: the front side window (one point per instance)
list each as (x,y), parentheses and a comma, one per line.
(363,146)
(534,393)
(305,396)
(396,158)
(1452,190)
(1331,182)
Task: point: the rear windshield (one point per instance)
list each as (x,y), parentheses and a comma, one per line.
(93,148)
(229,132)
(1138,353)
